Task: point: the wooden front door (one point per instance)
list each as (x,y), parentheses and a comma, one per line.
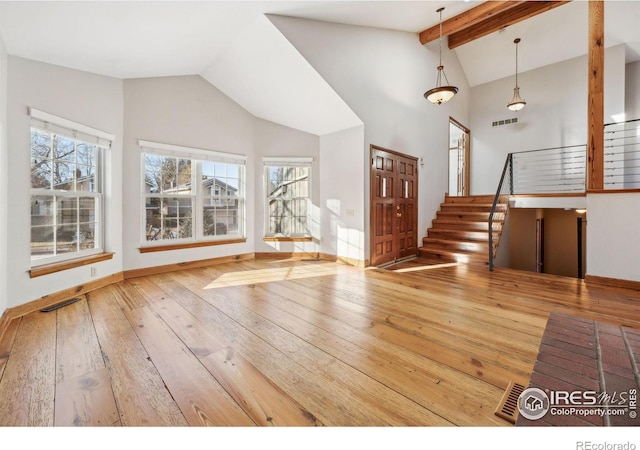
(394,206)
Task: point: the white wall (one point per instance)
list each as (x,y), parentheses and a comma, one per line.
(186,111)
(555,114)
(83,97)
(632,91)
(4,171)
(189,111)
(382,75)
(613,248)
(276,140)
(342,213)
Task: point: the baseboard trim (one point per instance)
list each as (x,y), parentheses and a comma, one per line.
(294,256)
(155,270)
(612,282)
(343,259)
(4,323)
(56,297)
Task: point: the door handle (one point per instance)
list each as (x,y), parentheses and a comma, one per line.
(398,214)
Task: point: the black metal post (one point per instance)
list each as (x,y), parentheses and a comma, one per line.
(580,247)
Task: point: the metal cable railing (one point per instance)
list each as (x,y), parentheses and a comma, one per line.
(622,155)
(550,170)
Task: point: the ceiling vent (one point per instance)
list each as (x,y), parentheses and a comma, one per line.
(497,123)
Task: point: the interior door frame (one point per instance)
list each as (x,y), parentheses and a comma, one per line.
(467,154)
(372,149)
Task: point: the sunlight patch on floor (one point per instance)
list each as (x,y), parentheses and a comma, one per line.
(427,267)
(247,277)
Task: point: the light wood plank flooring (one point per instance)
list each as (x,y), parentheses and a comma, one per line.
(291,343)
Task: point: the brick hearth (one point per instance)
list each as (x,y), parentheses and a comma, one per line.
(581,354)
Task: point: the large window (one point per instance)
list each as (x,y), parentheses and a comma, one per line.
(288,205)
(66,193)
(191,195)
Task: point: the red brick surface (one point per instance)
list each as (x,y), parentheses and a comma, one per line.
(578,354)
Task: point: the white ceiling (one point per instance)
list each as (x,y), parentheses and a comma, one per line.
(222,39)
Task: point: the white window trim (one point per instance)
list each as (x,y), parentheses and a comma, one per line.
(64,127)
(195,155)
(158,148)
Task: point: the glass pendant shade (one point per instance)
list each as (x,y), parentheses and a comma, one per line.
(441,94)
(516,103)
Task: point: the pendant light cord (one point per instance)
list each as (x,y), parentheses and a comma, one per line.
(440,41)
(517,41)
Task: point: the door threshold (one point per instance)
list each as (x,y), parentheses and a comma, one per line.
(397,261)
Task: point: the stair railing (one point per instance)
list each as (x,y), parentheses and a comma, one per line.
(505,188)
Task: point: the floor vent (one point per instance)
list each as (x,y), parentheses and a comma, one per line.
(508,406)
(60,305)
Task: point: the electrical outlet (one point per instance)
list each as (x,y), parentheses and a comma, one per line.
(350,212)
(94,271)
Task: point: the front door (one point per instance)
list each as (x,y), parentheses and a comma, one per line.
(394,207)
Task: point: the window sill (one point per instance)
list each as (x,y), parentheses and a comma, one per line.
(46,269)
(163,248)
(287,239)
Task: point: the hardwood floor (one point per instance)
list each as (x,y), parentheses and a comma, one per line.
(284,343)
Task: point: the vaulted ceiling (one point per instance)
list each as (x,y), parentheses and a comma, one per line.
(227,41)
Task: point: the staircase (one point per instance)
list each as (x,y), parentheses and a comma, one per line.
(460,231)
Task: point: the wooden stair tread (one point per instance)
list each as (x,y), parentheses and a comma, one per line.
(469,199)
(473,206)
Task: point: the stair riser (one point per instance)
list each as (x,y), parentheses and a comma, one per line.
(469,207)
(471,216)
(453,245)
(464,225)
(446,256)
(462,235)
(470,199)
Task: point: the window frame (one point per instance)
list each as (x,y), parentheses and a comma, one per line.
(198,195)
(287,162)
(80,134)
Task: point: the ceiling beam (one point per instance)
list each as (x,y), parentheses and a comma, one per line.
(466,19)
(521,11)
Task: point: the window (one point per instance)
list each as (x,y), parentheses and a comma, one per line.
(66,195)
(191,194)
(288,206)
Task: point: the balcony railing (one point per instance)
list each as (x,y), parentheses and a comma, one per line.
(622,155)
(550,171)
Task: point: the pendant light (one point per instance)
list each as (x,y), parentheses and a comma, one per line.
(516,103)
(441,94)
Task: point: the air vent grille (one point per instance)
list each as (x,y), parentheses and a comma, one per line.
(498,123)
(508,406)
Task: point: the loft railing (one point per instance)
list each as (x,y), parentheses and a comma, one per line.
(550,170)
(559,170)
(622,155)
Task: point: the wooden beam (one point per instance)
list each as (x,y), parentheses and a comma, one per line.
(466,19)
(595,106)
(518,13)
